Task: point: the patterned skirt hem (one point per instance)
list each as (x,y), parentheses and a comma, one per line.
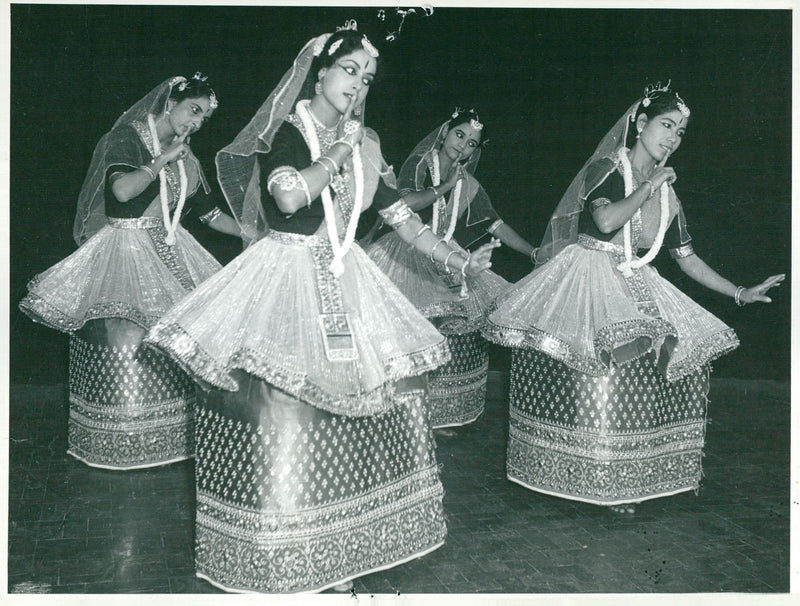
(458,320)
(39,310)
(91,463)
(176,343)
(608,502)
(327,586)
(611,338)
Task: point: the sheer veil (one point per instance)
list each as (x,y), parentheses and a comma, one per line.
(237,166)
(475,204)
(562,230)
(91,216)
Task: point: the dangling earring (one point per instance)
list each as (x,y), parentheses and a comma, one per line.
(357,110)
(639,134)
(318,87)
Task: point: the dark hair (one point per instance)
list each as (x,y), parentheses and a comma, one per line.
(660,102)
(350,42)
(192,88)
(464,116)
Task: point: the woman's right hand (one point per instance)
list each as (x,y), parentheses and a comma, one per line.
(178,150)
(454,175)
(348,129)
(481,259)
(660,175)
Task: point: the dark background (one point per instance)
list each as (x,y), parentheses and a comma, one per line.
(548,84)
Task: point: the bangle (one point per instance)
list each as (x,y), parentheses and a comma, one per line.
(149,171)
(333,162)
(738,296)
(435,193)
(464,267)
(447,258)
(345,142)
(433,250)
(326,167)
(420,232)
(334,167)
(652,189)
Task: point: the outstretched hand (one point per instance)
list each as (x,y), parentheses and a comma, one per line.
(758,293)
(481,259)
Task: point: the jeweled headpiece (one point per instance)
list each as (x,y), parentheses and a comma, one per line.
(198,77)
(368,46)
(319,44)
(474,121)
(352,25)
(651,91)
(682,107)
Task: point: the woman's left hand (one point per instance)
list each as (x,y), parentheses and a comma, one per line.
(481,259)
(758,293)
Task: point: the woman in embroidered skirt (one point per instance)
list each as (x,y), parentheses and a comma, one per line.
(610,361)
(315,462)
(129,406)
(438,180)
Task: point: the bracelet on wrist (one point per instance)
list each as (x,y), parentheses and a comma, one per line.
(433,250)
(447,258)
(737,297)
(464,267)
(421,231)
(435,192)
(151,173)
(346,143)
(333,162)
(328,170)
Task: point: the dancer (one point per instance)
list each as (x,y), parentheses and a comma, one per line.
(315,461)
(129,406)
(610,363)
(438,179)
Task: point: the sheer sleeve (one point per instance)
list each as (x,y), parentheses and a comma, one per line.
(125,151)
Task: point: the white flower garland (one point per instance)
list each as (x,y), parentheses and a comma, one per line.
(170,226)
(339,248)
(627,266)
(436,179)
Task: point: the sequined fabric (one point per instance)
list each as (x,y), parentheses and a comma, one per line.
(130,407)
(457,390)
(580,310)
(625,437)
(427,284)
(292,498)
(125,270)
(261,313)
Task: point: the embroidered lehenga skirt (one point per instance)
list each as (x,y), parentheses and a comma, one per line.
(130,407)
(457,391)
(609,378)
(315,461)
